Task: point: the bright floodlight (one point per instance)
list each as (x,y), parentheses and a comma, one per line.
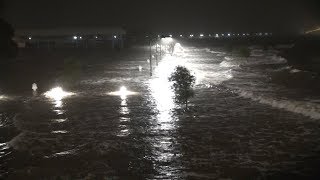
(30,38)
(201,35)
(191,35)
(96,37)
(57,94)
(229,34)
(123,92)
(181,35)
(80,37)
(115,37)
(75,37)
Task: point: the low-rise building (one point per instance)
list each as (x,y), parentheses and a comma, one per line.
(86,37)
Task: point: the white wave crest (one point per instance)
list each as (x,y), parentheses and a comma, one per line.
(214,52)
(228,58)
(227,64)
(307,109)
(295,71)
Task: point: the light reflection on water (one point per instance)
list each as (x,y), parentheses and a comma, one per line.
(124,110)
(163,96)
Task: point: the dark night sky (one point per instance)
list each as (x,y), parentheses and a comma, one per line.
(164,15)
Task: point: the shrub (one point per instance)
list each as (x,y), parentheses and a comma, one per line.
(183,81)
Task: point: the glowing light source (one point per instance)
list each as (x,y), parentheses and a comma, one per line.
(201,35)
(217,35)
(191,35)
(170,35)
(80,37)
(123,92)
(181,35)
(96,37)
(30,38)
(229,34)
(115,37)
(75,37)
(57,94)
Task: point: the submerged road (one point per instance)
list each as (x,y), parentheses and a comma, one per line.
(245,121)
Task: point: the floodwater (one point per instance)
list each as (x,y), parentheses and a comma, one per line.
(251,118)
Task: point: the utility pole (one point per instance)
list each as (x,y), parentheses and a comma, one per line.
(157,54)
(150,57)
(160,52)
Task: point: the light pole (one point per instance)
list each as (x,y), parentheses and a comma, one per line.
(150,61)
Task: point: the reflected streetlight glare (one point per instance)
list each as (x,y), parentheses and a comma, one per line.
(123,92)
(57,94)
(2,97)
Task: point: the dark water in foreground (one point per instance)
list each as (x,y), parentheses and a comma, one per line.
(246,121)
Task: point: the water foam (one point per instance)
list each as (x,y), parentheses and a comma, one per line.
(307,109)
(214,52)
(227,64)
(295,71)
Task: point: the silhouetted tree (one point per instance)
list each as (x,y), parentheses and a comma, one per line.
(183,81)
(8,47)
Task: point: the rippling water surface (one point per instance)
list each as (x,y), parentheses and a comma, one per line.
(246,121)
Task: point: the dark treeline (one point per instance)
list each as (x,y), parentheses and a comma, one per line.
(8,47)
